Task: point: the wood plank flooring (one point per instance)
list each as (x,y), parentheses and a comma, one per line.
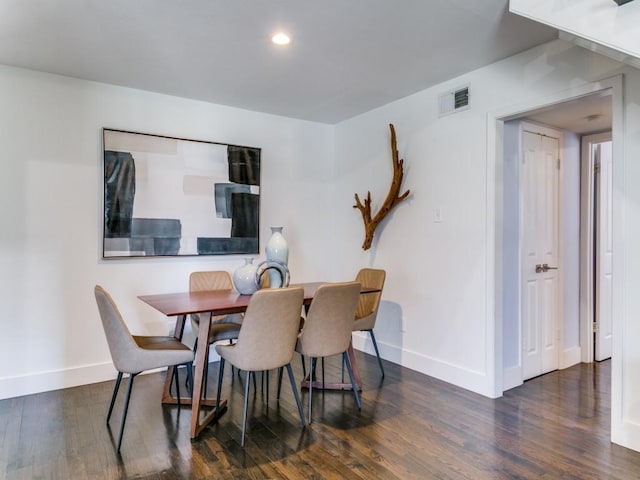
(411,426)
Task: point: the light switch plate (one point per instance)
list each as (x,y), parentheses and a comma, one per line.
(437,215)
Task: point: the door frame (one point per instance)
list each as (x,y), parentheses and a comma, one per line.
(587,253)
(494,227)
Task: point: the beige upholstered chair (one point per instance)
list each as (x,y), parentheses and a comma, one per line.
(328,326)
(223,327)
(134,354)
(368,304)
(266,340)
(212,280)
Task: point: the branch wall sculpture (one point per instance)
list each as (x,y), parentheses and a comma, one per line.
(393,197)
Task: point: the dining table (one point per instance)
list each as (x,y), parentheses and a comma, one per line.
(208,304)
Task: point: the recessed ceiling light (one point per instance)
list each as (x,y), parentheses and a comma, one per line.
(281,38)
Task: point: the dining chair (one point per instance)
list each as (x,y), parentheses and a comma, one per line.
(207,281)
(133,354)
(368,303)
(327,329)
(223,327)
(266,341)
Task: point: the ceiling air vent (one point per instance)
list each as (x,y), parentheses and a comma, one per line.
(454,101)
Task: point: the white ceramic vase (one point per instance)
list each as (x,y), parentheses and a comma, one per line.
(276,249)
(244,278)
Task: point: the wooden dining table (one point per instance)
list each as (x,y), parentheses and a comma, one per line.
(210,304)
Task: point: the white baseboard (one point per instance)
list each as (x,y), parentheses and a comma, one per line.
(626,433)
(55,380)
(570,357)
(475,381)
(511,378)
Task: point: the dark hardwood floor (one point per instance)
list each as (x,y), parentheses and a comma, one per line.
(411,426)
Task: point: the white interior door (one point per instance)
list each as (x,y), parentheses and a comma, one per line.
(603,275)
(539,254)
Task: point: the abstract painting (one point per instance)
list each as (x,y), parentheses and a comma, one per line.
(166,196)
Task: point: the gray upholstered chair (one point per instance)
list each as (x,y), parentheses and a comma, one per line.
(368,304)
(327,328)
(266,340)
(134,354)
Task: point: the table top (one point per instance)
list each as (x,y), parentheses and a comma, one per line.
(218,302)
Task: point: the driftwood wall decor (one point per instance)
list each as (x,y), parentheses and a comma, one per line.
(393,197)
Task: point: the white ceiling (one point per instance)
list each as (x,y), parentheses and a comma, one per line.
(585,115)
(347,56)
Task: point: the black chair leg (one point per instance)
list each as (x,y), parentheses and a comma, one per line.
(115,394)
(206,371)
(280,372)
(195,349)
(189,367)
(175,376)
(126,407)
(322,372)
(246,405)
(353,382)
(295,392)
(375,347)
(219,392)
(266,372)
(304,366)
(311,365)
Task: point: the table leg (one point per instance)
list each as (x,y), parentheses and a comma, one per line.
(339,385)
(197,425)
(197,401)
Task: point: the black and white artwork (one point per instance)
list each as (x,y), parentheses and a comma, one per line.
(168,196)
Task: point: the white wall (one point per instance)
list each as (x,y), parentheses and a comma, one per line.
(571,249)
(511,276)
(51,207)
(437,315)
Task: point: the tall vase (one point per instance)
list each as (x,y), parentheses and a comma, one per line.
(278,250)
(244,278)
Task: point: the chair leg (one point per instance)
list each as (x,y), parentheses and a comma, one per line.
(126,407)
(322,372)
(246,405)
(280,371)
(353,382)
(115,394)
(311,365)
(218,393)
(206,371)
(375,347)
(295,392)
(175,376)
(266,372)
(189,367)
(195,349)
(304,366)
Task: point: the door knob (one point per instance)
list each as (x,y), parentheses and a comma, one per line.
(546,267)
(539,268)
